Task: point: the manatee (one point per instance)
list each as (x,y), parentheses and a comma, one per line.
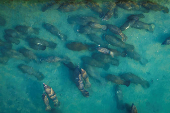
(11,39)
(154,6)
(117,80)
(27,30)
(54,31)
(31,71)
(46,102)
(70,6)
(110,11)
(142,25)
(119,98)
(135,16)
(131,5)
(50,92)
(105,51)
(114,41)
(12,54)
(134,55)
(49,5)
(28,53)
(135,79)
(88,30)
(97,25)
(81,19)
(114,29)
(14,33)
(79,81)
(166,41)
(95,63)
(98,40)
(40,44)
(133,109)
(54,59)
(94,6)
(78,46)
(93,72)
(105,58)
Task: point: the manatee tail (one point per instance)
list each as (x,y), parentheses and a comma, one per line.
(124,37)
(127,83)
(151,27)
(143,61)
(123,54)
(106,67)
(36,31)
(52,45)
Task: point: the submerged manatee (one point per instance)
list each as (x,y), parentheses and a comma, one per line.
(40,44)
(98,40)
(142,25)
(117,80)
(154,6)
(14,33)
(95,63)
(94,6)
(46,102)
(27,30)
(105,58)
(114,29)
(78,46)
(133,109)
(81,19)
(114,41)
(135,79)
(11,39)
(53,30)
(70,6)
(29,70)
(28,54)
(119,98)
(111,6)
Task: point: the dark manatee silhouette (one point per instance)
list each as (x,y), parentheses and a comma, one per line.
(11,39)
(54,30)
(135,79)
(155,6)
(28,54)
(95,63)
(14,33)
(31,71)
(98,40)
(94,6)
(81,19)
(114,29)
(119,97)
(70,6)
(115,41)
(110,11)
(40,44)
(79,46)
(105,58)
(27,30)
(117,80)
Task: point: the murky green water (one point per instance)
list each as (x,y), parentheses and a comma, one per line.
(22,93)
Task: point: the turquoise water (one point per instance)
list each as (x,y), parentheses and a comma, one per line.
(22,93)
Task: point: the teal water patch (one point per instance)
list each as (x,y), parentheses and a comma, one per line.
(22,93)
